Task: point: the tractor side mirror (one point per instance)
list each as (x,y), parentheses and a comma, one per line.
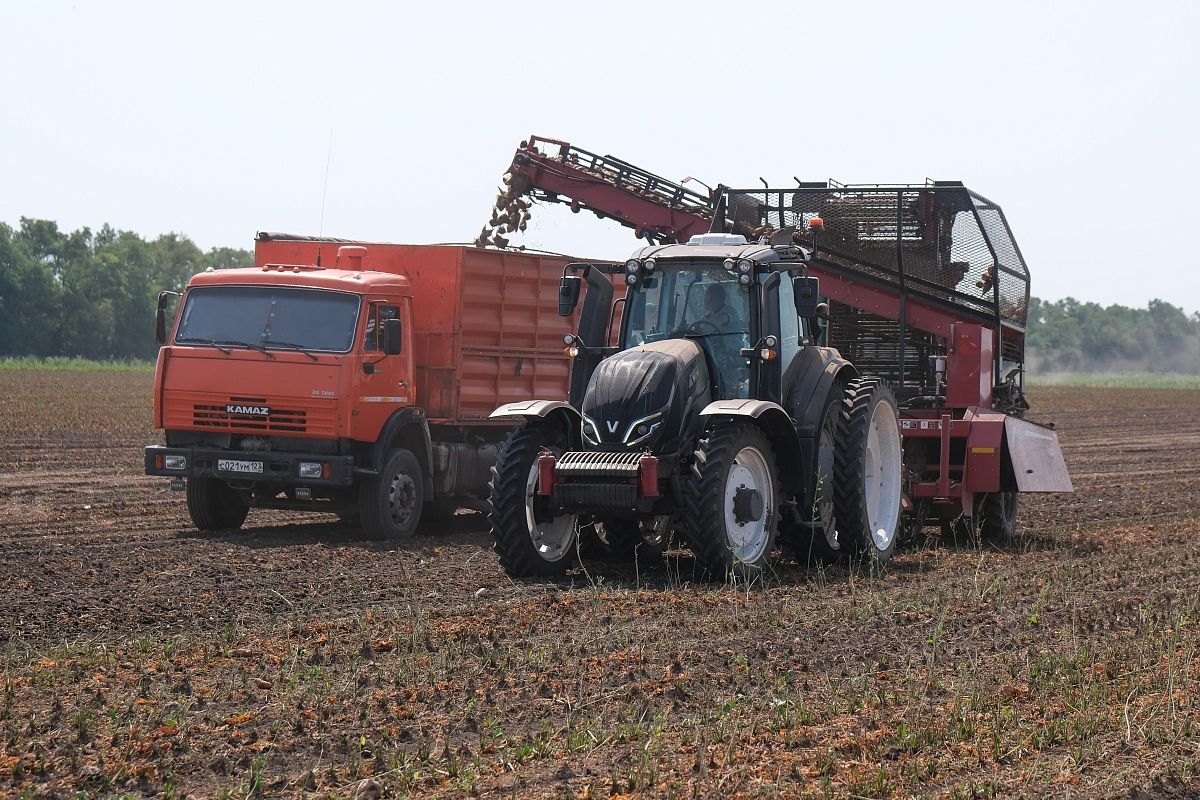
(392,337)
(806,292)
(568,294)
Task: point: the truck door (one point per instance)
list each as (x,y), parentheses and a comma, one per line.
(385,383)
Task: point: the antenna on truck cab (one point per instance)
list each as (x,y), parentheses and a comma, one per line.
(325,188)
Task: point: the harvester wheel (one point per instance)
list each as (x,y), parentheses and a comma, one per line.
(732,496)
(529,543)
(391,503)
(631,539)
(996,518)
(818,541)
(214,506)
(867,471)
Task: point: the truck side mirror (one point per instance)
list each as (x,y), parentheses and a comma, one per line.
(160,317)
(806,292)
(568,294)
(391,337)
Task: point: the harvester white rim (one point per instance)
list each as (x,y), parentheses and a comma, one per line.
(882,475)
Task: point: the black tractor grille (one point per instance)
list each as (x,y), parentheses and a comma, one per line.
(596,464)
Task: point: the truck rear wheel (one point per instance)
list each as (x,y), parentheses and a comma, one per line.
(867,471)
(529,542)
(214,506)
(733,501)
(390,503)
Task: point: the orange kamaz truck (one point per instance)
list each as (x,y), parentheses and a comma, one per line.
(351,378)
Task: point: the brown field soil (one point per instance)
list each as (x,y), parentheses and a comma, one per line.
(293,658)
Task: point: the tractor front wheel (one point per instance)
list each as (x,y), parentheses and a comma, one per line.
(733,495)
(530,542)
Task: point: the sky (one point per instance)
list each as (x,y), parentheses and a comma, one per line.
(393,122)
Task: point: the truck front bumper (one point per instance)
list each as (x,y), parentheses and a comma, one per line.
(263,467)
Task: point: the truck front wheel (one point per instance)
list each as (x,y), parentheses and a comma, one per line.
(529,541)
(214,506)
(390,504)
(733,501)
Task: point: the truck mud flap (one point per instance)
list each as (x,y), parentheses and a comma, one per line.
(1036,457)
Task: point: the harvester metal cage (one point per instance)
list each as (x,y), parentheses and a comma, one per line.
(938,241)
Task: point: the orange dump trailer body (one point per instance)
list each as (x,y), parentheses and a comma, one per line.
(485,331)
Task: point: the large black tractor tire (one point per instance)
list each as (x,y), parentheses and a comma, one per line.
(529,546)
(996,517)
(817,540)
(390,504)
(631,540)
(733,494)
(214,506)
(867,471)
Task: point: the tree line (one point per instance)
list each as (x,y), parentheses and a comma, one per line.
(93,294)
(1071,336)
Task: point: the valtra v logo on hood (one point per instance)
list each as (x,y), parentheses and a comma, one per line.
(254,411)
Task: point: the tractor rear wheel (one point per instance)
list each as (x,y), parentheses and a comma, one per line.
(630,539)
(214,506)
(530,543)
(390,504)
(732,496)
(818,540)
(867,471)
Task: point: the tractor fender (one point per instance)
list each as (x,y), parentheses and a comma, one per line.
(807,396)
(555,412)
(791,451)
(407,428)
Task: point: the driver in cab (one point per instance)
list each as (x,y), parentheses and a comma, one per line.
(719,313)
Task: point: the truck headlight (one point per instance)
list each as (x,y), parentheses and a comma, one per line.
(175,462)
(309,469)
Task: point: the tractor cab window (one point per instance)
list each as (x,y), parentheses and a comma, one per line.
(373,335)
(705,304)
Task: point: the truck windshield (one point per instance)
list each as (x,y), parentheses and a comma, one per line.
(259,316)
(698,302)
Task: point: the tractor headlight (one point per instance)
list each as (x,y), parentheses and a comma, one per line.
(631,279)
(591,434)
(745,266)
(744,279)
(632,266)
(729,264)
(649,264)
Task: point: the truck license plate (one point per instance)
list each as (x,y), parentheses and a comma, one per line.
(229,465)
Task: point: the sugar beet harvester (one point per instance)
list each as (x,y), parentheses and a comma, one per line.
(837,365)
(363,386)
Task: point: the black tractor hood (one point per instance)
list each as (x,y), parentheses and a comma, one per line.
(642,398)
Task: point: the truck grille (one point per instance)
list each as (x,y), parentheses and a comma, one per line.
(209,415)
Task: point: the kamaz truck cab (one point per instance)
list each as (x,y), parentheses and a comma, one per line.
(718,412)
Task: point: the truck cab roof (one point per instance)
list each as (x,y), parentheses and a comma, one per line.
(356,281)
